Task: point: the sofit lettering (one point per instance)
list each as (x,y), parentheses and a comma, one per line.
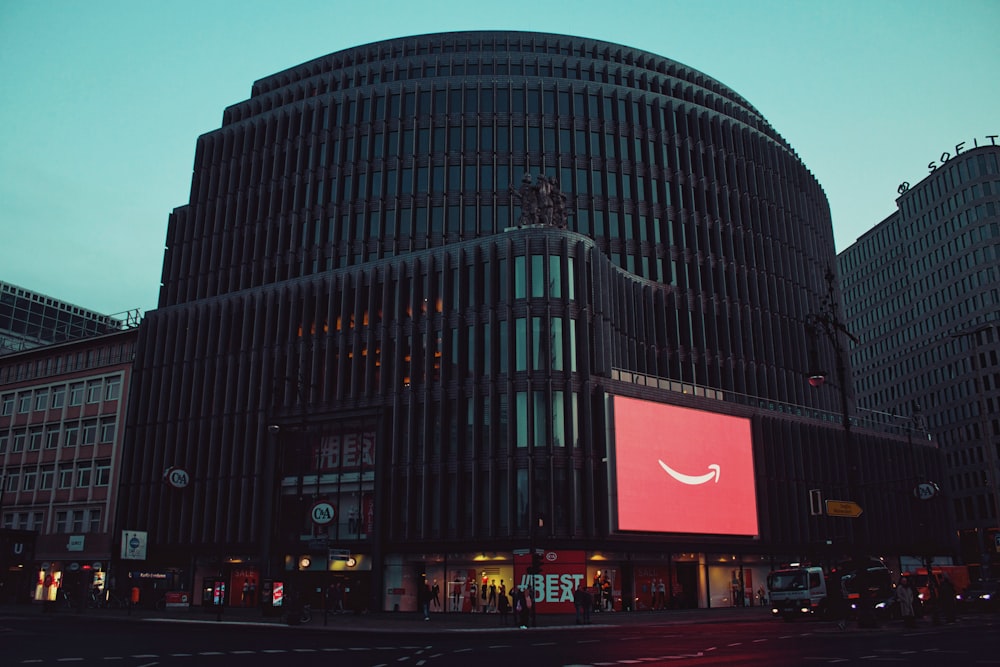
(959,147)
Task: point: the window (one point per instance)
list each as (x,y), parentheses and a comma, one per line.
(19,438)
(94,521)
(72,436)
(7,406)
(4,442)
(66,477)
(35,522)
(13,481)
(47,478)
(24,403)
(83,474)
(76,393)
(52,441)
(30,480)
(103,477)
(113,389)
(61,521)
(76,520)
(35,439)
(107,431)
(90,432)
(520,344)
(42,400)
(94,391)
(58,397)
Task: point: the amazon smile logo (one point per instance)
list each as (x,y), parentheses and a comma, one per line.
(694,480)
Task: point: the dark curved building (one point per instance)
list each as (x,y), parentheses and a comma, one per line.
(381,354)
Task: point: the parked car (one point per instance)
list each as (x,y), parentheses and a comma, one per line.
(981,595)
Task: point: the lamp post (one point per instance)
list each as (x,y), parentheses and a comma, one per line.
(984,434)
(827,323)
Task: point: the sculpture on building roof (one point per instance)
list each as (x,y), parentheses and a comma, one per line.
(542,203)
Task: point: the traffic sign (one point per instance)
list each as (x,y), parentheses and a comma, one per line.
(843,508)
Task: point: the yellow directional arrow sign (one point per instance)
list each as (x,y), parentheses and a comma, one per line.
(843,508)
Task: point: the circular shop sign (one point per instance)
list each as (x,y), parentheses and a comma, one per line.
(926,490)
(178,478)
(323,513)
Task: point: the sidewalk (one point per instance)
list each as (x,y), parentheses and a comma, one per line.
(404,622)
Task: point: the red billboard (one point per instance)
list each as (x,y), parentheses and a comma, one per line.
(679,470)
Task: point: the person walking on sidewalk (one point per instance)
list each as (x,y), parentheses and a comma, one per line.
(904,595)
(424,596)
(579,602)
(838,601)
(520,608)
(503,605)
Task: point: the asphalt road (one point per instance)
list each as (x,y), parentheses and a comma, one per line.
(40,641)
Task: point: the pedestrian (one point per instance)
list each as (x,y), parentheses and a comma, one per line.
(520,611)
(904,595)
(837,601)
(529,603)
(947,598)
(338,597)
(424,596)
(579,601)
(503,605)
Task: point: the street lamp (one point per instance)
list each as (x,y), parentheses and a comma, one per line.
(828,323)
(991,453)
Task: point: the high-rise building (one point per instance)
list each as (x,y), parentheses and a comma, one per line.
(439,302)
(29,319)
(922,291)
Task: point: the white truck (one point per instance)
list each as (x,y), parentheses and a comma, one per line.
(797,591)
(865,587)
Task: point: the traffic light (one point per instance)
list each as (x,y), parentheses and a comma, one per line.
(536,563)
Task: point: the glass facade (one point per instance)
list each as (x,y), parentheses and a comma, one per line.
(355,252)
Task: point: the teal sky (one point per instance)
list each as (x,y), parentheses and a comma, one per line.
(101,101)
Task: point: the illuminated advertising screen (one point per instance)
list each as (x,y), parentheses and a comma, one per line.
(679,470)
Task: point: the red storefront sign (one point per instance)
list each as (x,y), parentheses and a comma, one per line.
(562,572)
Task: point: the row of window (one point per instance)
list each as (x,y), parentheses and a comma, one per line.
(948,179)
(58,396)
(80,475)
(506,45)
(109,354)
(73,521)
(86,432)
(411,104)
